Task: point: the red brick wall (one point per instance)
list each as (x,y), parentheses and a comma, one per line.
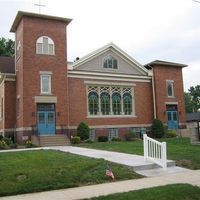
(161,74)
(78,105)
(10,97)
(1,96)
(30,65)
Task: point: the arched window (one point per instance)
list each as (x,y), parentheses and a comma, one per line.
(45,45)
(116,103)
(110,62)
(127,101)
(105,103)
(93,103)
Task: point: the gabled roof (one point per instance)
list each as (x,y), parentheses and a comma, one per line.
(114,48)
(7,65)
(164,63)
(20,14)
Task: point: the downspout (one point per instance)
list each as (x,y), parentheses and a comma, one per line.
(154,96)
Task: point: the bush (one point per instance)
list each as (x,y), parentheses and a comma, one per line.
(83,131)
(89,141)
(102,139)
(170,133)
(130,136)
(75,140)
(157,129)
(8,141)
(116,139)
(28,144)
(3,144)
(1,137)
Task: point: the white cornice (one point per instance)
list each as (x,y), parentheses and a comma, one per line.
(86,73)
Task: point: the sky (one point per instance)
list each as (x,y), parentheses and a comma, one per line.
(145,29)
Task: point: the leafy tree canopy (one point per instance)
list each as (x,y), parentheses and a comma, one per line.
(7,47)
(192,99)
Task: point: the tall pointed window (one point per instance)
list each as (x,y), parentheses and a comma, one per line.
(93,103)
(45,45)
(116,103)
(127,101)
(110,62)
(105,103)
(170,88)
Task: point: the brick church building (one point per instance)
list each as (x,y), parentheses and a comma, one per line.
(42,94)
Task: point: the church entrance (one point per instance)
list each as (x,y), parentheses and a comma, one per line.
(172,117)
(46,119)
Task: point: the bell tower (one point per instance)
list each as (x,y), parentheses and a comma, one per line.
(41,74)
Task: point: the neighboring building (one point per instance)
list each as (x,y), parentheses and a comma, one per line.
(43,94)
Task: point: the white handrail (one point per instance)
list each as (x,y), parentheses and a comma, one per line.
(155,151)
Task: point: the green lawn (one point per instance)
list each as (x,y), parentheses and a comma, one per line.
(33,171)
(169,192)
(179,149)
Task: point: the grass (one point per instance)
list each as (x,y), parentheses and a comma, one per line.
(33,171)
(178,149)
(169,192)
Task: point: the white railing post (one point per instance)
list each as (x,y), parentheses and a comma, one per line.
(164,156)
(145,146)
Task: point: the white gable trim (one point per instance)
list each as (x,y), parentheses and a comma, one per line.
(122,54)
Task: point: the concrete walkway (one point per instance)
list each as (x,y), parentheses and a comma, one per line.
(191,177)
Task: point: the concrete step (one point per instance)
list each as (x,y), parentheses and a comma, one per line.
(55,140)
(149,166)
(161,172)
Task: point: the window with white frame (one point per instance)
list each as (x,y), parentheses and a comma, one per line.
(170,88)
(112,133)
(110,62)
(45,45)
(110,100)
(45,84)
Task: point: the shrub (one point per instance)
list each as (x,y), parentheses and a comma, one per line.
(130,136)
(1,137)
(83,131)
(102,138)
(3,144)
(28,144)
(116,139)
(75,140)
(170,133)
(8,141)
(157,128)
(89,141)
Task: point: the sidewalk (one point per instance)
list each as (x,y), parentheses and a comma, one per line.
(191,177)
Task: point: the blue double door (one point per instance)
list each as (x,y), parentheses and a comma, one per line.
(172,119)
(46,122)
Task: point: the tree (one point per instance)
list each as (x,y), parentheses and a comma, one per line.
(195,94)
(7,47)
(188,102)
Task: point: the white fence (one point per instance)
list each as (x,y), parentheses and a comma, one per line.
(155,151)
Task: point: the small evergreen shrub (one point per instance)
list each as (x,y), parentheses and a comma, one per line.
(75,140)
(158,130)
(130,136)
(170,133)
(83,131)
(116,139)
(102,138)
